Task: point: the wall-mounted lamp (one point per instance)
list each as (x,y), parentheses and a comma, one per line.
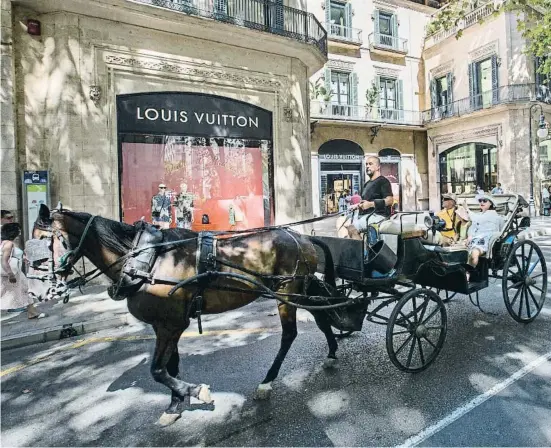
(33,27)
(542,128)
(498,62)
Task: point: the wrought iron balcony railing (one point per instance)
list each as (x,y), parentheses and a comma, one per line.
(389,43)
(502,95)
(431,3)
(262,15)
(344,33)
(347,112)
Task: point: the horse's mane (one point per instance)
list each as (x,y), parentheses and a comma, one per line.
(114,235)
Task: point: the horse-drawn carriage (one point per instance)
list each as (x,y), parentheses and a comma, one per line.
(423,271)
(171,276)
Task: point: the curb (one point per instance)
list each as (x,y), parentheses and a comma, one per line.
(534,233)
(62,332)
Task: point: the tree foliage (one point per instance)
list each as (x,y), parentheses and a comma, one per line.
(533,22)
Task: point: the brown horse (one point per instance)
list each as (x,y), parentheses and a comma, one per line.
(270,252)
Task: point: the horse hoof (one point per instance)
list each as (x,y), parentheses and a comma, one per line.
(167,419)
(263,392)
(330,363)
(204,394)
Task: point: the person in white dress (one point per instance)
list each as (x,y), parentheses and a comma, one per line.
(14,295)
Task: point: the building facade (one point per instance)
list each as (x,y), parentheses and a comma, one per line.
(114,98)
(479,91)
(368,99)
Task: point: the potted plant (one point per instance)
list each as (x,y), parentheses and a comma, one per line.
(317,92)
(371,97)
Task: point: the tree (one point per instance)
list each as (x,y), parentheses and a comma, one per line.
(533,21)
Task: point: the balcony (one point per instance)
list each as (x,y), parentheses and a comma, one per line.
(382,43)
(344,34)
(517,93)
(473,17)
(344,112)
(431,3)
(261,15)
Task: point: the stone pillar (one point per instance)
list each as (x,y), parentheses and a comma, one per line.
(316,185)
(8,151)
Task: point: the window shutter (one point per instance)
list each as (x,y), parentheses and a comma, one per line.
(278,14)
(495,80)
(328,80)
(348,24)
(376,37)
(394,29)
(449,107)
(328,14)
(537,77)
(433,100)
(472,85)
(400,98)
(354,89)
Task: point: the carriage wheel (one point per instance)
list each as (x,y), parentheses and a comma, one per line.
(416,330)
(524,281)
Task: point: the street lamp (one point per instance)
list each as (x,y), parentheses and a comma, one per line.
(541,133)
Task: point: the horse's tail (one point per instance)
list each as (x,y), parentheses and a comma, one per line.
(329,272)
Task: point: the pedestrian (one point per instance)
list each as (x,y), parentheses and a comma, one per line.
(546,199)
(15,295)
(6,217)
(497,189)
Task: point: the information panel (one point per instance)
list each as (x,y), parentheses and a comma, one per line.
(36,191)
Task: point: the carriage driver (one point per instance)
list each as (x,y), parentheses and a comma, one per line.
(376,196)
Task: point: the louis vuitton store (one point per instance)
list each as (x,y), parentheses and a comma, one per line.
(152,113)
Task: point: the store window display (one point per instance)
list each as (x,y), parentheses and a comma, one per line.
(207,183)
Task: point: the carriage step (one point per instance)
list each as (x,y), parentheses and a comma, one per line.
(476,286)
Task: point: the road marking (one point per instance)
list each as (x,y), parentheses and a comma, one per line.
(83,342)
(475,402)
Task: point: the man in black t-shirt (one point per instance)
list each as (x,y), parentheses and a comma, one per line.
(376,194)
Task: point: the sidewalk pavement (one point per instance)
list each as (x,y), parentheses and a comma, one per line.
(95,310)
(84,313)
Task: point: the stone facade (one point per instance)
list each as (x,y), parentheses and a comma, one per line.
(67,80)
(504,121)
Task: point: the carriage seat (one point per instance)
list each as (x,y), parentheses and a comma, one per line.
(404,225)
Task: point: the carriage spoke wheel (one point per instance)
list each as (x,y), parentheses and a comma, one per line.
(524,281)
(416,330)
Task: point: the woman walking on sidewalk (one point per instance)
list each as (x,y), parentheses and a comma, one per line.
(14,283)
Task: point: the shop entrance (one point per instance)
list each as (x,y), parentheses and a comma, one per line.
(341,172)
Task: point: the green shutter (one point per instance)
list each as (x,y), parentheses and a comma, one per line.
(377,107)
(400,98)
(327,79)
(449,78)
(328,14)
(348,24)
(376,38)
(495,80)
(394,28)
(433,99)
(354,89)
(473,87)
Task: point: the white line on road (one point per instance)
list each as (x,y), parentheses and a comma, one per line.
(477,401)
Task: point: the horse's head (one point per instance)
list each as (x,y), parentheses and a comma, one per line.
(54,226)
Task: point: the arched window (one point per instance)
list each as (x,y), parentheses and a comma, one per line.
(389,152)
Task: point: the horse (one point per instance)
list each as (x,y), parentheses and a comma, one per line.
(262,256)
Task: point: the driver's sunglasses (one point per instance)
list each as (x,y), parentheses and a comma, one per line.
(162,188)
(8,217)
(482,201)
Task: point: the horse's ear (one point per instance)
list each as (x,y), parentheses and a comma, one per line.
(43,213)
(59,206)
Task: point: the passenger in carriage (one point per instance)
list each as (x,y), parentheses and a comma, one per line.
(483,226)
(450,234)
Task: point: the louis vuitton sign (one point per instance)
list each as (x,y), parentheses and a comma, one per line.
(181,113)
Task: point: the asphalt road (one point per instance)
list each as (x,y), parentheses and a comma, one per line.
(490,386)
